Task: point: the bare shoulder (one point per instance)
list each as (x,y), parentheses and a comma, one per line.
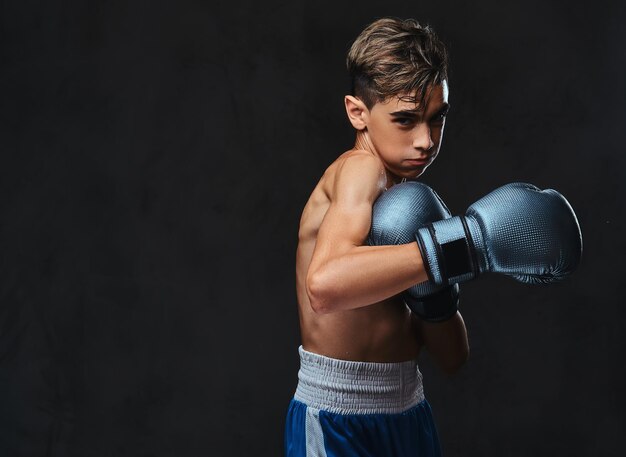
(358,175)
(360,161)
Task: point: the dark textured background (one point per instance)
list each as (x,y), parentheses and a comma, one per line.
(154,160)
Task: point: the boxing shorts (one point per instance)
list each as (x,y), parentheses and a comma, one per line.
(344,408)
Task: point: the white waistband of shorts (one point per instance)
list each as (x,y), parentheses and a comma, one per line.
(347,387)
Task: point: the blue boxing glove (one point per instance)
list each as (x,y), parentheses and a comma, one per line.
(396,216)
(519,230)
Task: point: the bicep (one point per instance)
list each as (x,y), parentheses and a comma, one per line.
(343,228)
(348,218)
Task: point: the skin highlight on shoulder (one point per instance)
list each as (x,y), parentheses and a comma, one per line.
(360,170)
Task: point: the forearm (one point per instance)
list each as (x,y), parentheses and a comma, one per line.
(365,275)
(446,342)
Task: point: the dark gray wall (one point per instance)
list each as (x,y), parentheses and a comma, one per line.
(154,160)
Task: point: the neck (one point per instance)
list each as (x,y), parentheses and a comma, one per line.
(363,142)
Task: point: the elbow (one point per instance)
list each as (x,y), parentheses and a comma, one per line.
(319,293)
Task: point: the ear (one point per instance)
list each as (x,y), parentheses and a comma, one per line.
(357,112)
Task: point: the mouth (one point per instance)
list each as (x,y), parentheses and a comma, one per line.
(417,162)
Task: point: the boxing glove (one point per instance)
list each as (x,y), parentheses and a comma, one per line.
(396,216)
(529,234)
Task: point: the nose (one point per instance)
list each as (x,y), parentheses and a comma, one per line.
(423,139)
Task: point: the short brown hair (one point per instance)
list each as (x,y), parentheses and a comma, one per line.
(396,57)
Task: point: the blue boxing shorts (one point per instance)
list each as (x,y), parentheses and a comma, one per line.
(344,409)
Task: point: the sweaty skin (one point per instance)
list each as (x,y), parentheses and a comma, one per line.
(347,291)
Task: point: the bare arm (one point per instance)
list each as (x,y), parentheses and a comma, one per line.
(344,274)
(446,342)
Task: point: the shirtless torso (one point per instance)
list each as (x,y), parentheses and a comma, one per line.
(385,331)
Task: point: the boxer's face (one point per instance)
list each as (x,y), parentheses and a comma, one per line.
(406,136)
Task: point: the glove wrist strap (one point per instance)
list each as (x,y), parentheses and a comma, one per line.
(438,307)
(448,251)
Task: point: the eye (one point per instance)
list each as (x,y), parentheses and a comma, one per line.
(404,121)
(439,118)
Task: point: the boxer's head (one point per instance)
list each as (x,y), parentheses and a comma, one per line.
(399,93)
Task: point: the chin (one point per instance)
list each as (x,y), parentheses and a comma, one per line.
(417,174)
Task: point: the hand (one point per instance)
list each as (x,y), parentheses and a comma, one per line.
(519,230)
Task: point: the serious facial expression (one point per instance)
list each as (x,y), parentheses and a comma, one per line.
(406,136)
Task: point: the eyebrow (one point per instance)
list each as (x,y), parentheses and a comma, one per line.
(414,112)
